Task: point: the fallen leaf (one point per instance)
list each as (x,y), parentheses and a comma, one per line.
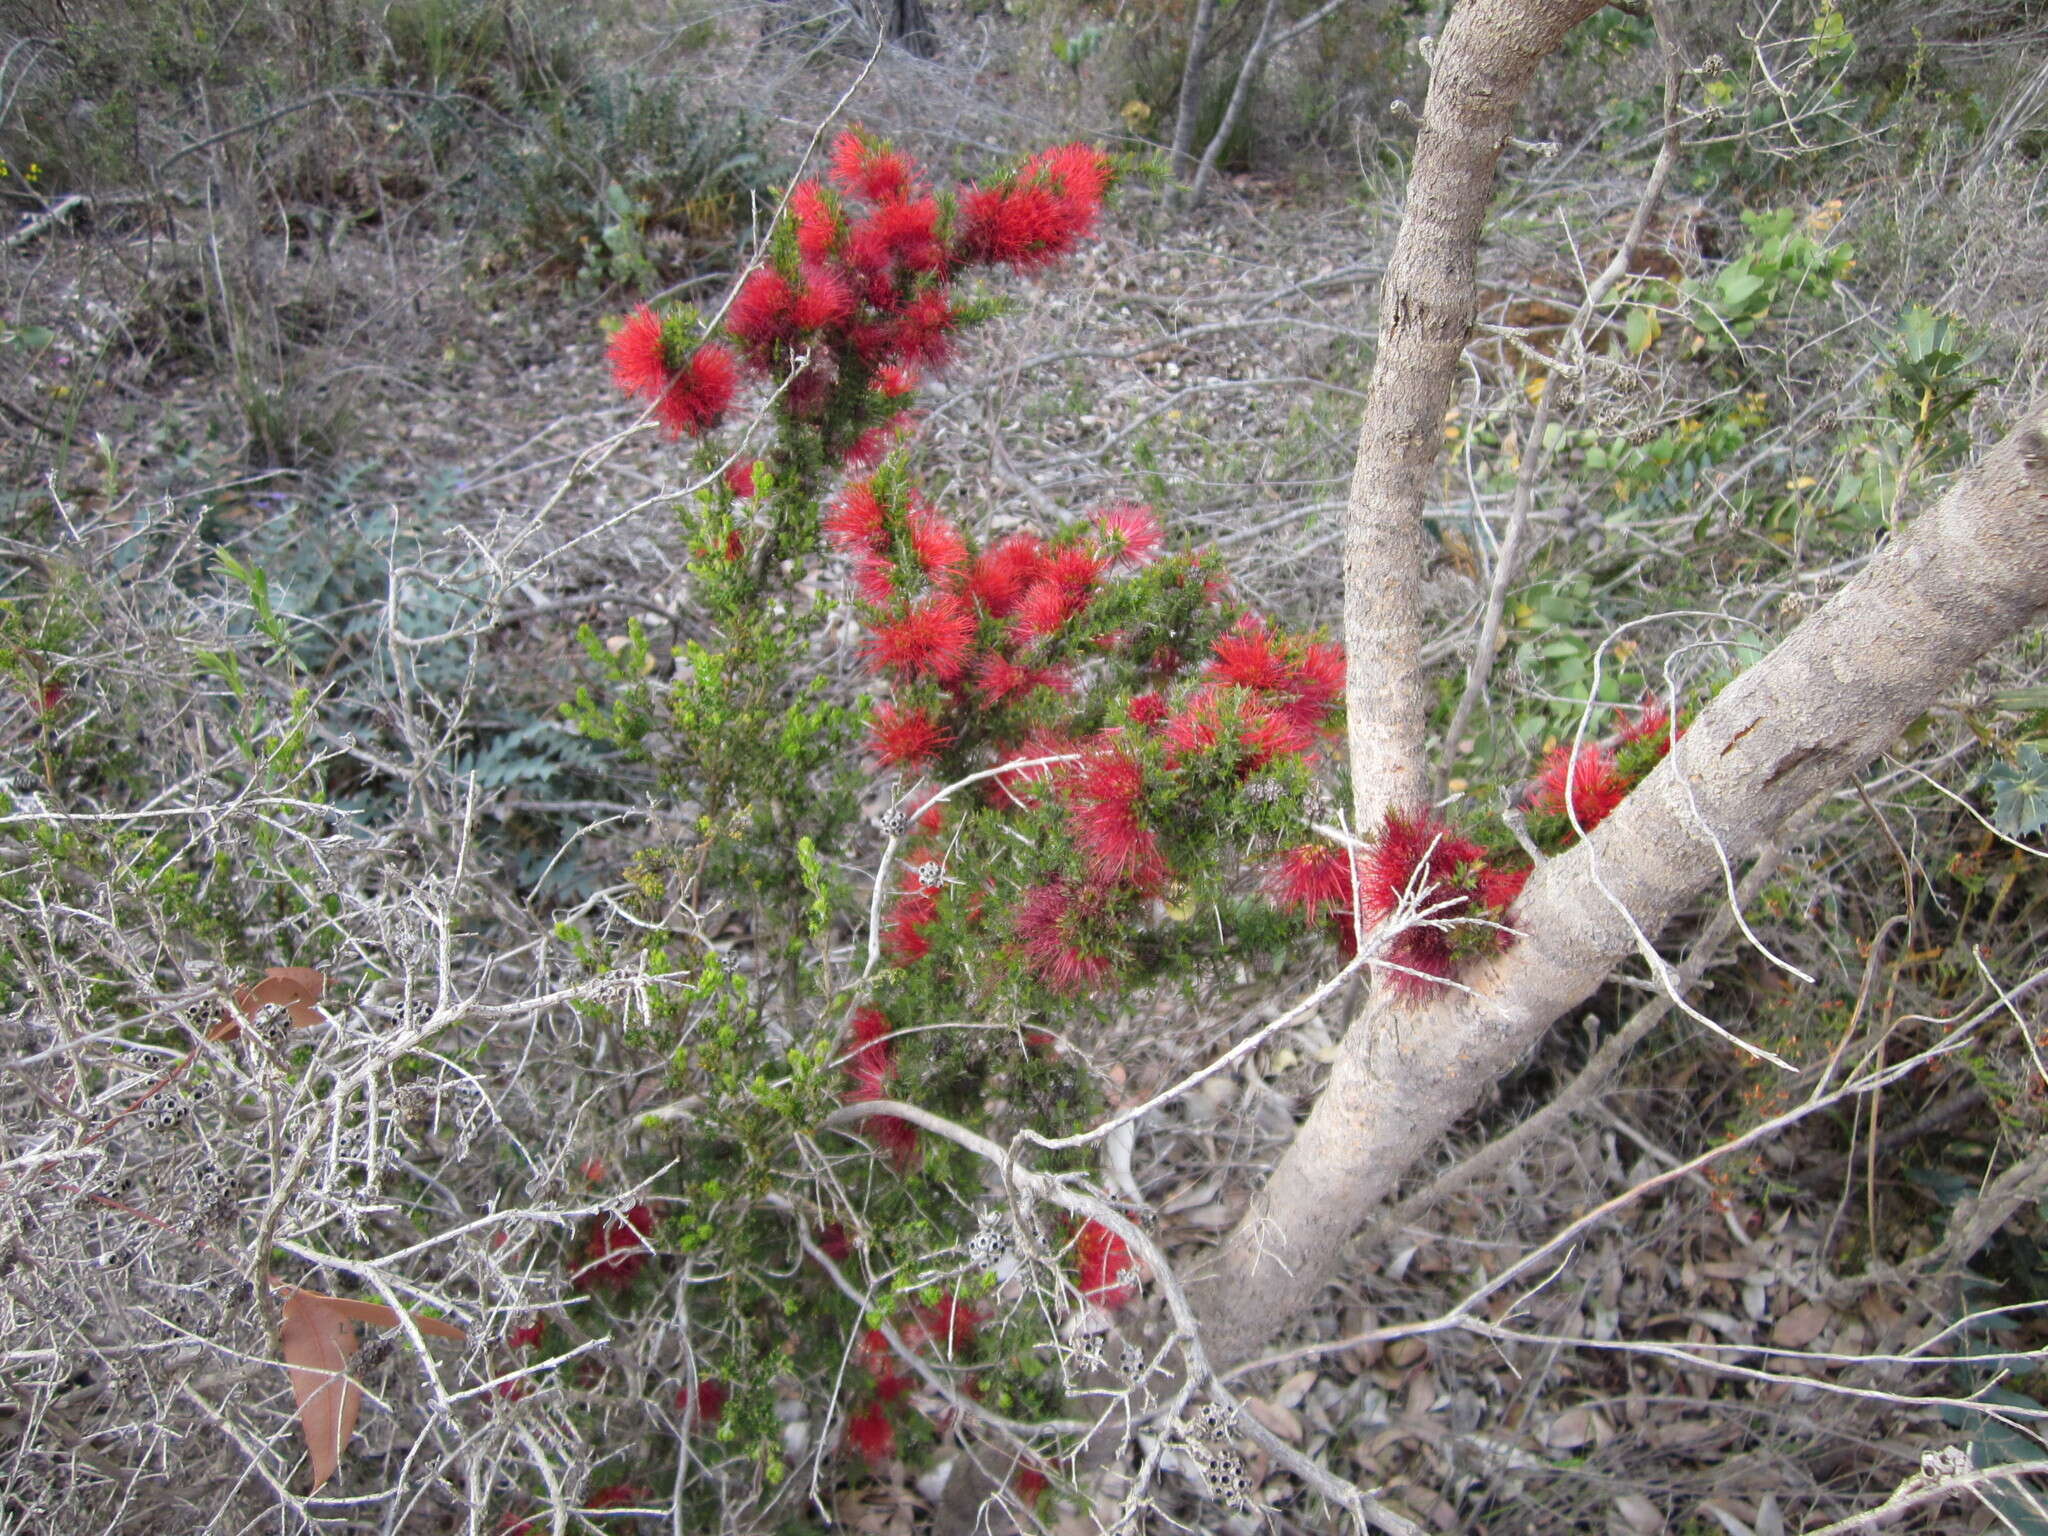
(1281,1421)
(294,988)
(1639,1514)
(378,1314)
(1569,1430)
(318,1339)
(1802,1325)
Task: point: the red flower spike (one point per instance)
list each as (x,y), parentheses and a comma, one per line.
(1246,657)
(823,301)
(869,170)
(894,381)
(906,738)
(1028,1484)
(1047,923)
(897,237)
(701,392)
(1314,880)
(639,357)
(1001,679)
(1130,533)
(938,545)
(1108,1278)
(1450,880)
(817,220)
(871,1066)
(615,1250)
(761,313)
(1147,709)
(871,1433)
(950,1324)
(1653,723)
(701,1408)
(739,477)
(1588,776)
(1104,797)
(616,1496)
(931,639)
(1080,171)
(1005,571)
(834,1243)
(857,521)
(528,1335)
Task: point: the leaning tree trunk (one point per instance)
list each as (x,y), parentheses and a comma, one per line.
(1968,575)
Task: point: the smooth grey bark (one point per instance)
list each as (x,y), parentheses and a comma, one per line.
(1963,578)
(1484,60)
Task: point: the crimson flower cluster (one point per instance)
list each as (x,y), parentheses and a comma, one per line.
(614,1249)
(856,295)
(945,1329)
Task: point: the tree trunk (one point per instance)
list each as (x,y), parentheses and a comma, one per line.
(1965,577)
(1485,59)
(1247,80)
(1189,105)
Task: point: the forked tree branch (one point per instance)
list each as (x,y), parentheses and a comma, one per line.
(1483,64)
(1965,577)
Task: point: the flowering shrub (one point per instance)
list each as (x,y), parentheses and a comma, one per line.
(1097,777)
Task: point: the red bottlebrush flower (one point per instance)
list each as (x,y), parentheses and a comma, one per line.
(1246,657)
(1500,889)
(871,1433)
(873,445)
(870,170)
(1582,785)
(894,381)
(1073,568)
(817,219)
(896,235)
(1653,723)
(701,392)
(1104,797)
(1130,533)
(615,1250)
(871,1067)
(914,912)
(939,547)
(1314,880)
(514,1391)
(931,639)
(1450,880)
(1001,679)
(825,300)
(874,577)
(739,477)
(761,313)
(528,1335)
(1108,1278)
(906,738)
(1012,785)
(1080,171)
(1147,709)
(1004,572)
(1043,609)
(950,1324)
(834,1243)
(1028,1483)
(1050,921)
(1317,683)
(809,389)
(593,1170)
(921,331)
(616,1496)
(701,1408)
(857,521)
(639,356)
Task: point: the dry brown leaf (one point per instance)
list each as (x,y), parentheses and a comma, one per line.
(318,1340)
(1569,1430)
(295,988)
(1802,1325)
(378,1314)
(1281,1421)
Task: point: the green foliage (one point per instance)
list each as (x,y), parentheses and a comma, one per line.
(1783,261)
(2019,791)
(621,182)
